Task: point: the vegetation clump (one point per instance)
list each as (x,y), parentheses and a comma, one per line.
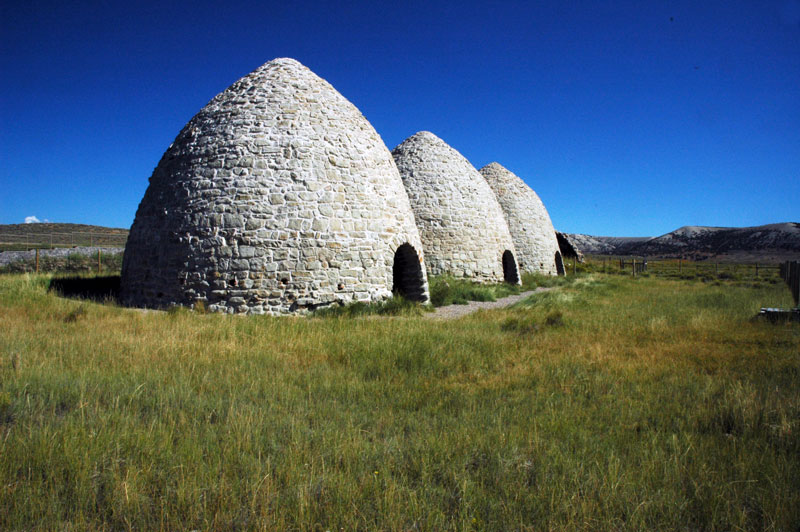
(396,306)
(448,290)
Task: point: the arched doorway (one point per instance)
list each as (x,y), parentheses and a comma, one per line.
(407,278)
(510,273)
(559,264)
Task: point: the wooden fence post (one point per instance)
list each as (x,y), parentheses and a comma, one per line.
(633,267)
(98,261)
(37,260)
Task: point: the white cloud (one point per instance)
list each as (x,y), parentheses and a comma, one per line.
(32,220)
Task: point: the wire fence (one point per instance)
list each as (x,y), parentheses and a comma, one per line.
(678,268)
(29,241)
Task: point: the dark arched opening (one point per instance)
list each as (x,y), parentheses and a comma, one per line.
(407,278)
(510,273)
(559,264)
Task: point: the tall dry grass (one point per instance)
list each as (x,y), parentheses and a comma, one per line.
(608,403)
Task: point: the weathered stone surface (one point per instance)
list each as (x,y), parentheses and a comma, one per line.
(528,221)
(277,196)
(460,221)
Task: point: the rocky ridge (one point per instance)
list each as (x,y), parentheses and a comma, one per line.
(772,242)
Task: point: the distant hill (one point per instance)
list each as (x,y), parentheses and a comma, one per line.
(604,245)
(22,236)
(766,243)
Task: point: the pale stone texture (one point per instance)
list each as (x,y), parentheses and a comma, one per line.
(460,221)
(528,221)
(277,196)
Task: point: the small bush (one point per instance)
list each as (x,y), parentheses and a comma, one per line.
(554,318)
(75,315)
(6,408)
(521,324)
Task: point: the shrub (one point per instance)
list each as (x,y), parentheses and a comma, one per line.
(554,318)
(520,324)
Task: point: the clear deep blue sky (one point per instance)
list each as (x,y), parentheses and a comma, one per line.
(628,118)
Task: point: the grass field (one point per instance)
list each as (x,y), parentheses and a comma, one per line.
(607,403)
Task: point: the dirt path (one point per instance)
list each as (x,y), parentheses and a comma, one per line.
(456,311)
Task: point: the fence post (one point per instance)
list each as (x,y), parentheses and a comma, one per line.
(633,267)
(37,260)
(98,261)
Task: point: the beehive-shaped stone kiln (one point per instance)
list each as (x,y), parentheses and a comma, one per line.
(277,196)
(460,221)
(530,225)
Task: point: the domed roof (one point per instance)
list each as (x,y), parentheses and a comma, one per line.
(461,224)
(528,221)
(277,196)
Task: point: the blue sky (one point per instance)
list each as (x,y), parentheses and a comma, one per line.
(627,118)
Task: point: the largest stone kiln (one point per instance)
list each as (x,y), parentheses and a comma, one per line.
(277,196)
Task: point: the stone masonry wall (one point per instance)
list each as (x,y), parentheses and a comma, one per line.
(461,224)
(277,196)
(528,221)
